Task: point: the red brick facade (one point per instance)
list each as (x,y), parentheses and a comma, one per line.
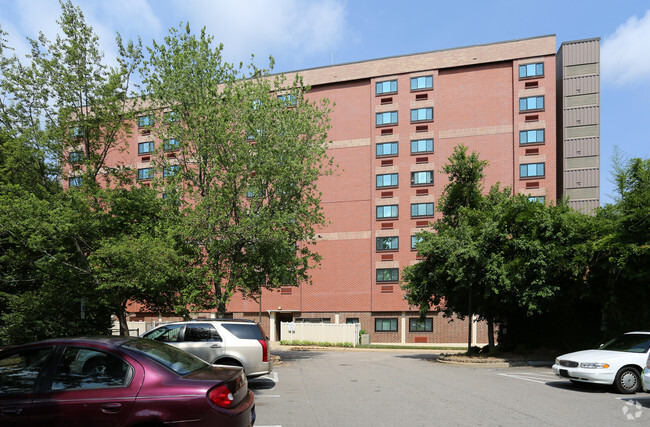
(475,98)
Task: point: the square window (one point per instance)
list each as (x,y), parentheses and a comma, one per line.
(387,118)
(422,178)
(388,211)
(387,180)
(421,209)
(387,243)
(421,114)
(421,83)
(387,149)
(145,147)
(386,325)
(531,169)
(535,136)
(389,86)
(145,173)
(422,146)
(417,325)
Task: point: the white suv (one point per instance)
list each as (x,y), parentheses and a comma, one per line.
(236,342)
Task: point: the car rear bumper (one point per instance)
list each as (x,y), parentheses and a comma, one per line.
(645,379)
(594,376)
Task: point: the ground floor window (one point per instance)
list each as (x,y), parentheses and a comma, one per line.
(418,325)
(386,325)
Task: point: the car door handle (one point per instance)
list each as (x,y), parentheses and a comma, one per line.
(12,412)
(215,346)
(111,408)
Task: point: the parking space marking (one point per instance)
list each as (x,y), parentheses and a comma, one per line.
(532,377)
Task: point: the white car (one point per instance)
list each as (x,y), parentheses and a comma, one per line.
(645,383)
(618,362)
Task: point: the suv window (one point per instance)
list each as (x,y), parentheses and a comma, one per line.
(167,333)
(201,332)
(250,332)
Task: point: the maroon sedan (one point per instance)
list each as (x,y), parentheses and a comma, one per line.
(118,381)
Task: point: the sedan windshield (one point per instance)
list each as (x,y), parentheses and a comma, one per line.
(170,357)
(633,343)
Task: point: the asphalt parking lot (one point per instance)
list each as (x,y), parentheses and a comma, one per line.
(408,387)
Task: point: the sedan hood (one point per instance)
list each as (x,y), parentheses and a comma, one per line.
(601,356)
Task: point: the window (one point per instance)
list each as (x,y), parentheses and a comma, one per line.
(18,371)
(86,368)
(422,146)
(422,178)
(387,180)
(535,136)
(170,170)
(414,241)
(388,211)
(531,103)
(387,149)
(76,157)
(531,70)
(389,86)
(388,274)
(76,132)
(351,320)
(417,325)
(420,83)
(145,173)
(540,199)
(170,144)
(289,100)
(74,181)
(421,209)
(145,121)
(201,332)
(387,243)
(386,325)
(170,117)
(170,333)
(145,147)
(388,118)
(421,114)
(531,169)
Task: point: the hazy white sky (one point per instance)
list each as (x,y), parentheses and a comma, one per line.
(304,34)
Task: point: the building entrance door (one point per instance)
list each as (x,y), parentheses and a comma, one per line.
(279,318)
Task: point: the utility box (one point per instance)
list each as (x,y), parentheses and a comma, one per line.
(365,339)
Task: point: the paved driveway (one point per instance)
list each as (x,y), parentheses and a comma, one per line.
(408,388)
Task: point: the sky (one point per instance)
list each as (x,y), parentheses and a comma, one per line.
(302,34)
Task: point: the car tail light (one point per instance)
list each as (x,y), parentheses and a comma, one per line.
(221,396)
(265,351)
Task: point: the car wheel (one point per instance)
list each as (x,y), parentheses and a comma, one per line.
(628,381)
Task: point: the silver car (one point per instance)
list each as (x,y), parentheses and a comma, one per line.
(235,342)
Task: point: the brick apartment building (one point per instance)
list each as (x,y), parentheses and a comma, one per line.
(531,112)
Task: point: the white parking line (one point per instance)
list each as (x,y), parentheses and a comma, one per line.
(532,377)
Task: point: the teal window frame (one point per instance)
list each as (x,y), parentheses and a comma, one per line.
(386,87)
(533,136)
(421,146)
(531,70)
(531,103)
(424,114)
(385,149)
(388,118)
(421,83)
(387,180)
(532,170)
(422,209)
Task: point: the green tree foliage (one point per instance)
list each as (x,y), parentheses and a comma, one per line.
(250,149)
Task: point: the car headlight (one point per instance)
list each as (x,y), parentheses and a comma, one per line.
(594,365)
(557,361)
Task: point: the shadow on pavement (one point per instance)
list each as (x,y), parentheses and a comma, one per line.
(261,383)
(581,387)
(420,356)
(289,355)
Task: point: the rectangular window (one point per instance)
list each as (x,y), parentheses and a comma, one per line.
(76,157)
(170,170)
(422,178)
(421,114)
(421,209)
(417,325)
(388,211)
(531,169)
(420,83)
(531,103)
(387,118)
(386,325)
(387,243)
(145,121)
(170,117)
(387,180)
(422,146)
(414,241)
(389,86)
(387,149)
(170,144)
(351,320)
(540,199)
(145,173)
(531,70)
(76,132)
(74,181)
(145,147)
(289,100)
(535,136)
(388,274)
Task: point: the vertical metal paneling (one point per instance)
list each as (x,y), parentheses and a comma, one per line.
(581,116)
(582,147)
(579,178)
(584,206)
(581,52)
(581,85)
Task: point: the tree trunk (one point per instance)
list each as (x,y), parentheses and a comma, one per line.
(490,326)
(469,322)
(124,327)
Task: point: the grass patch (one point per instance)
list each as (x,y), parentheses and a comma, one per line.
(315,343)
(379,346)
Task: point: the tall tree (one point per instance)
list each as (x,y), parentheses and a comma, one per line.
(251,147)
